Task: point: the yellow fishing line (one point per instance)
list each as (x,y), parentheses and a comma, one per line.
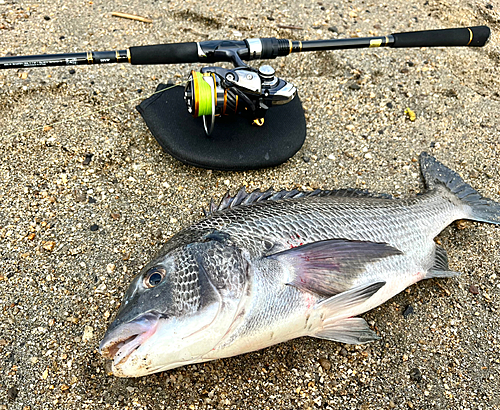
(204,92)
(80,117)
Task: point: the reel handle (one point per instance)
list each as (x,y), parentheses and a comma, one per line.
(452,37)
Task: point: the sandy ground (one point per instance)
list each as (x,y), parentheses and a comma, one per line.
(73,234)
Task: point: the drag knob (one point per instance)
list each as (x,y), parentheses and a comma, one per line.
(266,72)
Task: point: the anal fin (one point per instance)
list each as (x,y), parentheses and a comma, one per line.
(441,274)
(353,330)
(440,267)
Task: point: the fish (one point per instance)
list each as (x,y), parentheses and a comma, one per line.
(265,267)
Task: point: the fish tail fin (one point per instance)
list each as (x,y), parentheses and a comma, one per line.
(477,207)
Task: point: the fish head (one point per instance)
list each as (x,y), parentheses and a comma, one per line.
(171,315)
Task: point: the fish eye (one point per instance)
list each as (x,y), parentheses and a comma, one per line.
(154,277)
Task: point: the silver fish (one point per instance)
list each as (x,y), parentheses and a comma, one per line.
(266,267)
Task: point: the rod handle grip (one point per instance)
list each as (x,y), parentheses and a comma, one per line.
(173,53)
(467,36)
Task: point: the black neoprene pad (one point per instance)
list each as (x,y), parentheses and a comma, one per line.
(234,144)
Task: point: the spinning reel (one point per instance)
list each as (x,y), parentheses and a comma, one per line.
(216,91)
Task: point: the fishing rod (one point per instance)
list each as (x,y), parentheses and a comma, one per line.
(215,91)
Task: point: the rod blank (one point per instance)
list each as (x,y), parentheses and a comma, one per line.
(53,60)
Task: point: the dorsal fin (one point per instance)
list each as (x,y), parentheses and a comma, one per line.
(243,198)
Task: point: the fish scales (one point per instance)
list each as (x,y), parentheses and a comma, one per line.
(266,267)
(297,221)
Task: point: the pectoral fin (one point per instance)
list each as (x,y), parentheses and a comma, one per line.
(329,267)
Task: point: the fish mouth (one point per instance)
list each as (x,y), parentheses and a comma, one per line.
(119,343)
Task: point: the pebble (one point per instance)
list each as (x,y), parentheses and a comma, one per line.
(88,333)
(88,158)
(79,195)
(473,289)
(94,227)
(325,363)
(12,393)
(408,311)
(416,375)
(49,245)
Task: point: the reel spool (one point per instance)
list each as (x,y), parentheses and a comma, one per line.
(200,95)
